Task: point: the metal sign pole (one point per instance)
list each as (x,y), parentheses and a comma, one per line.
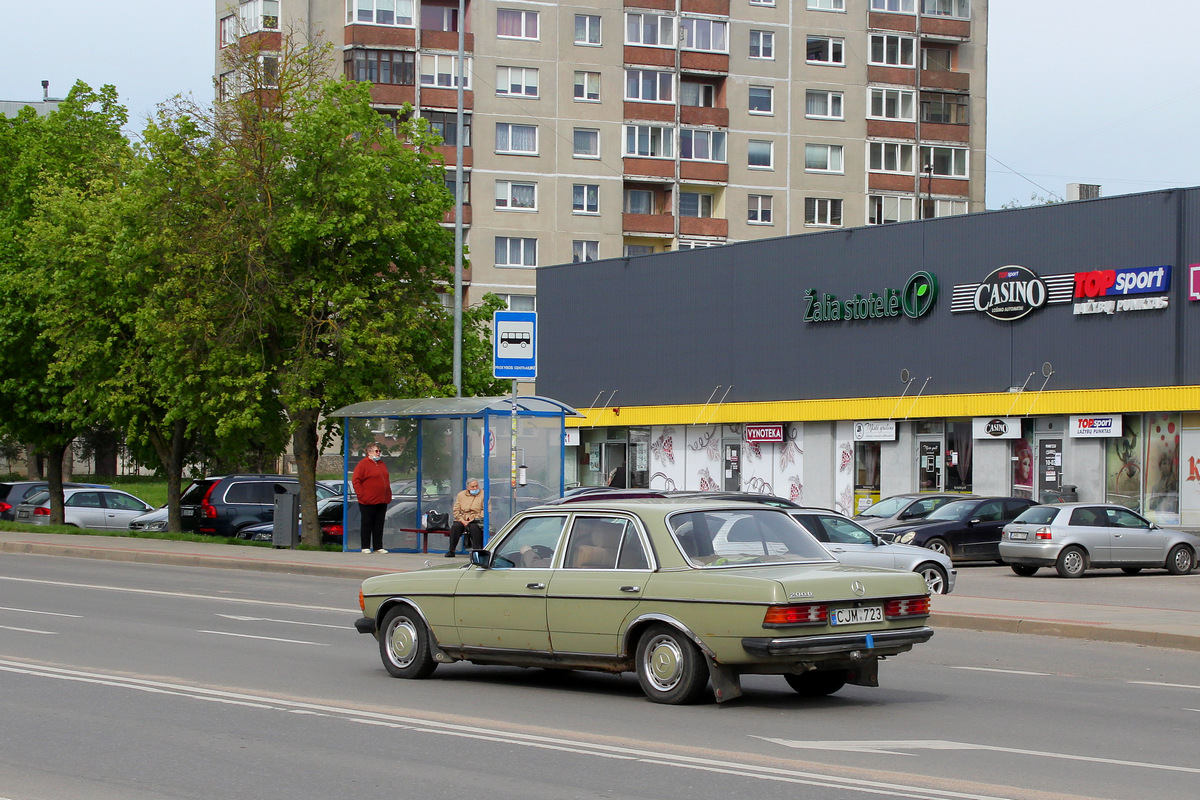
(512,494)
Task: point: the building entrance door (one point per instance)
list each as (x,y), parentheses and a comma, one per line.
(732,448)
(929,465)
(1049,467)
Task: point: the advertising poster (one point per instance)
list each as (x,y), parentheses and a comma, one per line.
(1023,466)
(1189,467)
(1123,481)
(1162,468)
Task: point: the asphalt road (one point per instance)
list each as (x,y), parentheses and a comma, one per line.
(141,681)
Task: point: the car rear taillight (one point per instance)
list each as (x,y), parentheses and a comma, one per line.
(41,511)
(1043,533)
(334,531)
(907,607)
(796,615)
(206,508)
(5,507)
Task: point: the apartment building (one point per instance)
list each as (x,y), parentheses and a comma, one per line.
(627,127)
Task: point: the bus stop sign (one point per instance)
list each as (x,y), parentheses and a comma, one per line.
(514,345)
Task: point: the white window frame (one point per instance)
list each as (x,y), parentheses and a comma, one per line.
(759,209)
(770,148)
(957,9)
(894,6)
(403,12)
(444,72)
(505,83)
(519,302)
(525,248)
(594,136)
(231,30)
(831,99)
(660,137)
(762,3)
(587,81)
(525,17)
(945,207)
(714,142)
(706,94)
(823,208)
(504,137)
(904,209)
(764,43)
(663,26)
(507,199)
(959,160)
(627,206)
(259,15)
(835,46)
(716,31)
(879,154)
(770,96)
(905,56)
(904,102)
(662,81)
(827,5)
(706,202)
(834,158)
(585,198)
(581,249)
(591,38)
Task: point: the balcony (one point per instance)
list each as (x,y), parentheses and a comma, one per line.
(903,23)
(649,112)
(393,95)
(449,218)
(706,171)
(702,115)
(648,224)
(945,28)
(447,40)
(438,97)
(703,226)
(713,8)
(888,182)
(891,129)
(657,5)
(448,152)
(636,55)
(661,168)
(942,132)
(941,79)
(374,35)
(705,63)
(897,76)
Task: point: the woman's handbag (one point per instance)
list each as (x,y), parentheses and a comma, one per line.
(437,521)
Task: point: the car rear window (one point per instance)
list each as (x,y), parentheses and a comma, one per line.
(720,538)
(4,490)
(195,493)
(1037,515)
(38,498)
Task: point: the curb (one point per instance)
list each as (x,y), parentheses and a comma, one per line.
(1090,631)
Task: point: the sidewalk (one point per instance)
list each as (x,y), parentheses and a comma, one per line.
(1151,609)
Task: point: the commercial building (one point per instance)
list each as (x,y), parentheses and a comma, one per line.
(625,127)
(1007,352)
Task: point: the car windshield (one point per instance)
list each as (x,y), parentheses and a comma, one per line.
(41,498)
(886,507)
(952,512)
(1037,515)
(720,538)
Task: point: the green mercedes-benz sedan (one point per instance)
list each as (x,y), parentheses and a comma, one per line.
(682,591)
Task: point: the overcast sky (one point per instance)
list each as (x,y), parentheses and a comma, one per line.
(1103,92)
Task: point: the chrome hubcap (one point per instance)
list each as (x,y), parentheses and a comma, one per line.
(663,663)
(402,642)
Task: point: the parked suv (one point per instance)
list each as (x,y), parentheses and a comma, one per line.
(221,505)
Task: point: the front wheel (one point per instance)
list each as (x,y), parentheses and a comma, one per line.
(1071,563)
(670,667)
(404,644)
(1024,570)
(816,683)
(1181,560)
(935,577)
(938,546)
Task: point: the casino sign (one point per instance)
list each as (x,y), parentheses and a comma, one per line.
(1012,292)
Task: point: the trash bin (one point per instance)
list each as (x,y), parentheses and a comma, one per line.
(1069,492)
(285,530)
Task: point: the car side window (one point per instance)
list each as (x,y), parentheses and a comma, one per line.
(595,543)
(1121,518)
(813,525)
(122,502)
(990,512)
(1088,518)
(84,500)
(239,493)
(842,531)
(921,507)
(531,544)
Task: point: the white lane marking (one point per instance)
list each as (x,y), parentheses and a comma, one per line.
(34,611)
(494,736)
(27,630)
(896,747)
(184,595)
(282,621)
(265,638)
(1006,671)
(1167,685)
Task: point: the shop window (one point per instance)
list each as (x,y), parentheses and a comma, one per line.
(959,451)
(866,474)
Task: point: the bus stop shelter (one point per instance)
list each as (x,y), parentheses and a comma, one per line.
(432,446)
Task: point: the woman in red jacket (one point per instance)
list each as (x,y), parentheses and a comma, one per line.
(374,491)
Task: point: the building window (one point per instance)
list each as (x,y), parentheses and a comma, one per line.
(439,16)
(229,30)
(379,12)
(514,24)
(823,158)
(587,143)
(761,100)
(651,30)
(947,8)
(762,44)
(762,2)
(639,201)
(517,81)
(268,68)
(890,157)
(759,154)
(894,6)
(587,29)
(820,104)
(758,211)
(827,5)
(519,302)
(441,69)
(587,86)
(584,250)
(445,124)
(397,67)
(638,250)
(882,209)
(702,145)
(451,183)
(826,50)
(585,198)
(514,195)
(697,244)
(937,59)
(259,15)
(695,204)
(649,141)
(228,86)
(946,162)
(949,208)
(514,251)
(947,109)
(691,93)
(823,211)
(892,51)
(891,104)
(518,139)
(708,35)
(649,86)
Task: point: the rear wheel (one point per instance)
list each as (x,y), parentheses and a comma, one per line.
(670,667)
(1181,560)
(1024,570)
(1071,563)
(817,683)
(404,644)
(938,546)
(935,577)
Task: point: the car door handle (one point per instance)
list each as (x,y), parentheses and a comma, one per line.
(631,588)
(837,549)
(535,586)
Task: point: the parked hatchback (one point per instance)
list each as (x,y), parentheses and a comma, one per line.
(99,509)
(13,493)
(1073,537)
(221,505)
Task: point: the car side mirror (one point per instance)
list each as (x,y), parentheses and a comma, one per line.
(481,558)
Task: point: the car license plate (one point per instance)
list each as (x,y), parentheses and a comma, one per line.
(22,515)
(856,616)
(1018,535)
(186,512)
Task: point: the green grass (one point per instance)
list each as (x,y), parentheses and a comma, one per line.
(174,537)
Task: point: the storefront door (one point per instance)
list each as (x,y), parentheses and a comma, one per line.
(732,448)
(929,465)
(1049,466)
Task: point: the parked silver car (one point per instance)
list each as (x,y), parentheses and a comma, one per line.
(1073,537)
(850,543)
(101,509)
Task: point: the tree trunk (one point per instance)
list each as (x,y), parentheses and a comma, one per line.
(54,476)
(33,463)
(305,443)
(104,453)
(171,453)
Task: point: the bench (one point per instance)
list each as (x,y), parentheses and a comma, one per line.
(424,534)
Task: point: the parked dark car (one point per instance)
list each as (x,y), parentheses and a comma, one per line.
(965,530)
(221,505)
(329,513)
(13,493)
(900,508)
